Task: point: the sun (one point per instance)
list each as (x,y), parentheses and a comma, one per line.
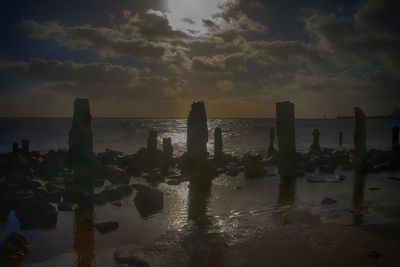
(187,15)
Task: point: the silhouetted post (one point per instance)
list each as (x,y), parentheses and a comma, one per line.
(81,142)
(15,147)
(360,137)
(152,141)
(395,137)
(25,146)
(315,145)
(197,132)
(285,129)
(340,138)
(168,149)
(271,149)
(218,144)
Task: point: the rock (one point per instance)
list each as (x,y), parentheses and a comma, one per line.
(168,149)
(148,200)
(285,129)
(173,182)
(338,179)
(235,170)
(313,179)
(14,248)
(374,188)
(328,201)
(254,170)
(374,254)
(110,195)
(129,260)
(197,132)
(117,203)
(54,197)
(66,206)
(109,156)
(120,178)
(98,183)
(394,178)
(77,195)
(36,213)
(106,227)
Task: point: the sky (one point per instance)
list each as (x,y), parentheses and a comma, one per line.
(153,58)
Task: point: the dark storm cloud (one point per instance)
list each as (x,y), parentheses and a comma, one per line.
(371,34)
(188,20)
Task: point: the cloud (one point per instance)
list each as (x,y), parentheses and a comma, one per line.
(370,35)
(188,20)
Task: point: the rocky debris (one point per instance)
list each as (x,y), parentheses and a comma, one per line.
(106,227)
(328,201)
(197,132)
(285,129)
(13,249)
(77,195)
(56,184)
(152,141)
(120,178)
(359,138)
(129,260)
(271,149)
(218,144)
(315,147)
(235,170)
(35,212)
(109,157)
(66,206)
(168,149)
(148,200)
(111,195)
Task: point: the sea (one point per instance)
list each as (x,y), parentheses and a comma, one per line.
(236,208)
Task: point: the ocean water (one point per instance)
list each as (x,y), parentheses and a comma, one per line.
(236,208)
(239,135)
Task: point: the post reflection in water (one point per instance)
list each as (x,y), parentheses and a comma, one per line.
(358,197)
(203,247)
(84,242)
(287,191)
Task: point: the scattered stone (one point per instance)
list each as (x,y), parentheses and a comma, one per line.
(14,248)
(129,260)
(374,254)
(66,206)
(328,201)
(148,200)
(374,188)
(106,227)
(111,195)
(394,178)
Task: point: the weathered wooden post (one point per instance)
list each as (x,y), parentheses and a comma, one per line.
(25,146)
(359,138)
(315,147)
(395,138)
(152,141)
(81,143)
(285,128)
(15,148)
(197,132)
(271,149)
(168,149)
(218,144)
(340,139)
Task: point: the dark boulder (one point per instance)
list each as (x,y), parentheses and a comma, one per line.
(148,200)
(106,227)
(13,249)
